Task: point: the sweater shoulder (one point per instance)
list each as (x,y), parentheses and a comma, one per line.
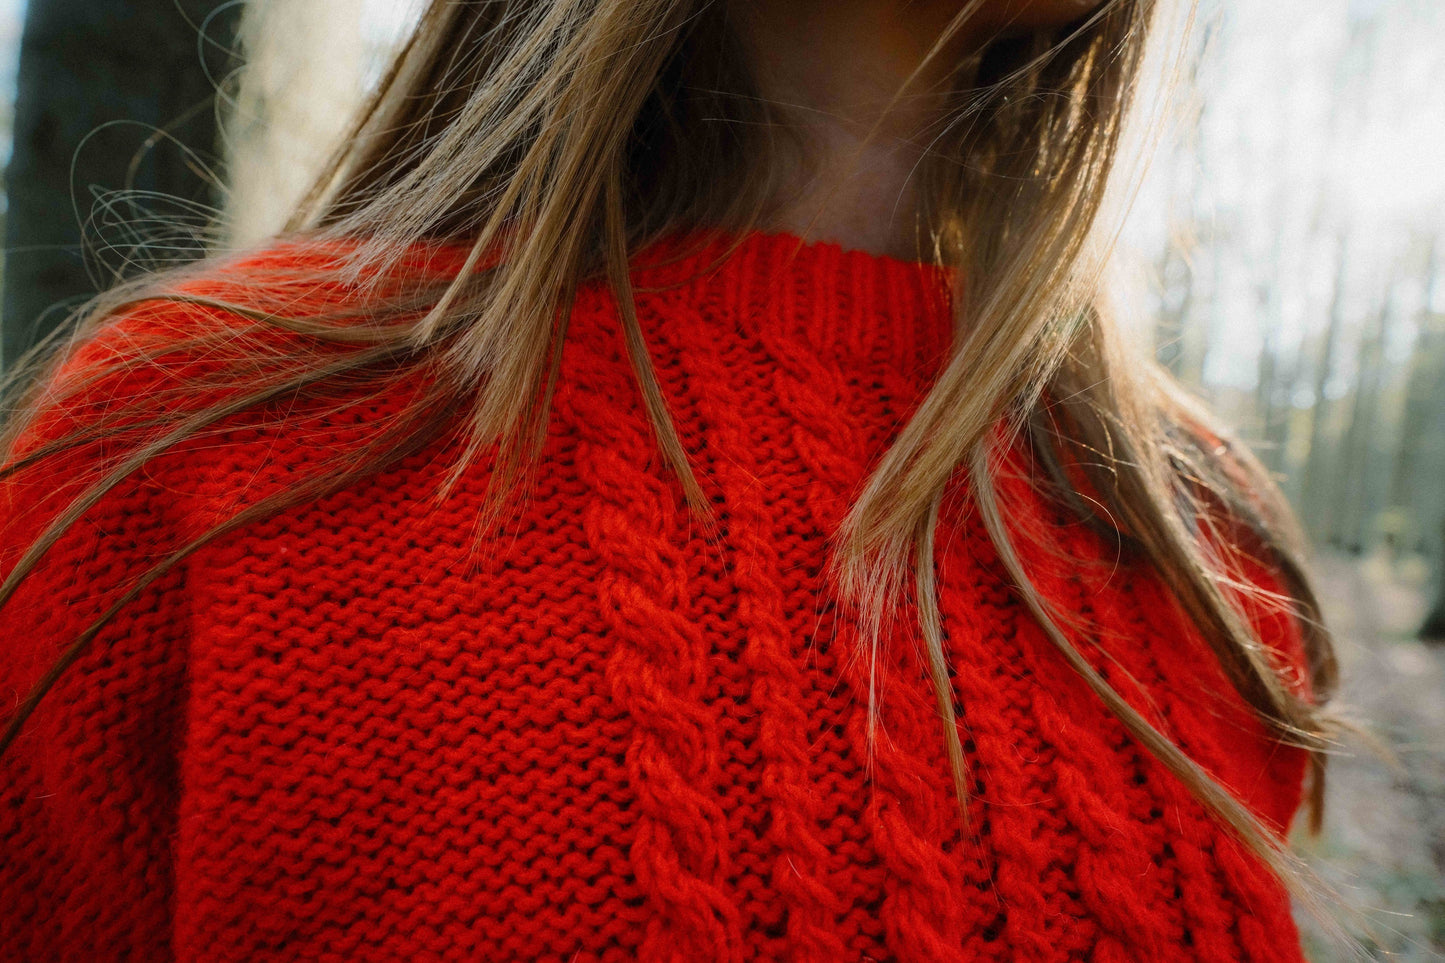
(232,331)
(201,360)
(180,389)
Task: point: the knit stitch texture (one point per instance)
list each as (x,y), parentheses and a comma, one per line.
(343,734)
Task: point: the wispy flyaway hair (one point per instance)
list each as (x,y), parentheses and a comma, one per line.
(551,139)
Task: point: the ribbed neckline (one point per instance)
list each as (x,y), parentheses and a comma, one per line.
(849,305)
(846,305)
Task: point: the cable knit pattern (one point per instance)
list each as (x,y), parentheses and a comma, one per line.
(342,734)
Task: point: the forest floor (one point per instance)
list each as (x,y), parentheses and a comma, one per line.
(1383,844)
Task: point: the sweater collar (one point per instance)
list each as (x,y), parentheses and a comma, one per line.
(849,306)
(856,309)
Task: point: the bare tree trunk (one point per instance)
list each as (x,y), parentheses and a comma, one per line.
(1434,628)
(97,80)
(1416,426)
(1356,503)
(1269,375)
(1315,488)
(296,97)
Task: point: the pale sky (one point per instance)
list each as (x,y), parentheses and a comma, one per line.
(1319,120)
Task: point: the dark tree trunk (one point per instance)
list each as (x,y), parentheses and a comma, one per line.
(1434,628)
(100,77)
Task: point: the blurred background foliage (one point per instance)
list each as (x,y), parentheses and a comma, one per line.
(1284,252)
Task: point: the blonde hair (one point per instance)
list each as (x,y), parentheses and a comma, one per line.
(555,137)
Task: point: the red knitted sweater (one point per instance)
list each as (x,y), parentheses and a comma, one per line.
(336,735)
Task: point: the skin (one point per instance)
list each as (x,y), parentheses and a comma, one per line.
(839,64)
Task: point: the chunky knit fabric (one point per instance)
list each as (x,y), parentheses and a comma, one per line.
(349,732)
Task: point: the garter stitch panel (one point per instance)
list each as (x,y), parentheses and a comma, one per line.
(338,735)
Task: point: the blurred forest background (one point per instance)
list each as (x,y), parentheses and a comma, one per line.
(1287,243)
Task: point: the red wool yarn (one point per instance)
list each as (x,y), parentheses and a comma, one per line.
(350,732)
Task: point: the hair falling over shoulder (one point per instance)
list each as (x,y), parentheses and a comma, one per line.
(549,139)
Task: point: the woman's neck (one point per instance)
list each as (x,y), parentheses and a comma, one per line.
(847,73)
